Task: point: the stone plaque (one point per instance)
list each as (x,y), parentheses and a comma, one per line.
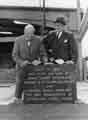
(50,84)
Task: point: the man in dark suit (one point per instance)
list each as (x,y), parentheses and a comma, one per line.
(61,44)
(27,50)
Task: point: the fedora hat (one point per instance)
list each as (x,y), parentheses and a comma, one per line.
(60,20)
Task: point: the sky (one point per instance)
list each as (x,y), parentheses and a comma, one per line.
(84,4)
(49,3)
(52,3)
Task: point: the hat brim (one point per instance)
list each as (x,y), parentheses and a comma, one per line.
(62,22)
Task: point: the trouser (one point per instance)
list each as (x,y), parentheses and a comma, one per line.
(21,75)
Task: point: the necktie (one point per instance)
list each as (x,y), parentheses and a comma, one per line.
(29,43)
(59,34)
(30,46)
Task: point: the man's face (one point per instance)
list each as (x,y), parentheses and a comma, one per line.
(28,35)
(60,27)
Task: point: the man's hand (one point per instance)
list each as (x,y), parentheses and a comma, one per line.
(52,59)
(25,63)
(36,62)
(59,61)
(69,62)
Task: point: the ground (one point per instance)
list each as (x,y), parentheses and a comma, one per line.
(44,112)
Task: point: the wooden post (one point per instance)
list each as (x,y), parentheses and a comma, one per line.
(83,26)
(83,29)
(79,42)
(43,18)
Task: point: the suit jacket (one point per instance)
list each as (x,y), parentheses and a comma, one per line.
(22,50)
(63,48)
